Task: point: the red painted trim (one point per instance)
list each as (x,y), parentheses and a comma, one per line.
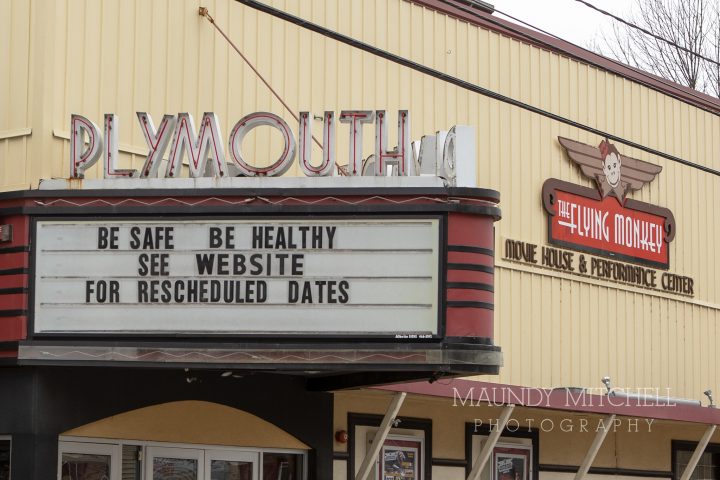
(13,328)
(469,295)
(9,354)
(14,260)
(472,258)
(470,276)
(561,47)
(502,394)
(469,322)
(13,281)
(470,230)
(13,301)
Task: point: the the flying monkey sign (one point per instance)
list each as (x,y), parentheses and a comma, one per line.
(603,220)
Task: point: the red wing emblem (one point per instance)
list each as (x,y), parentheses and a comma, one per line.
(614,173)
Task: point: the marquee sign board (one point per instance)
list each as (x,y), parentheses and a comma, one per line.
(272,276)
(603,221)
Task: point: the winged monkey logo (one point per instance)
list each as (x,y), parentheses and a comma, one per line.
(614,173)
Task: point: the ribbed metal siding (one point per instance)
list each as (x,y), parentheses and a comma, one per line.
(14,91)
(571,332)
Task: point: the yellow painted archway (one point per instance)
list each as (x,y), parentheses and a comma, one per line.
(191,422)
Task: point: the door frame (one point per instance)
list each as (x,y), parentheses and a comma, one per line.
(252,457)
(102,444)
(152,451)
(82,448)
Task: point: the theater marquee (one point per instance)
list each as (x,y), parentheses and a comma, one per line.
(338,277)
(381,275)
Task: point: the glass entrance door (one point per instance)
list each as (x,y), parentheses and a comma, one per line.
(95,461)
(170,463)
(87,461)
(228,465)
(174,464)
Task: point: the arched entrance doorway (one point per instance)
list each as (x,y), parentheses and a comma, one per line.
(187,440)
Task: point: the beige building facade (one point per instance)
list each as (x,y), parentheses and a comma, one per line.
(569,308)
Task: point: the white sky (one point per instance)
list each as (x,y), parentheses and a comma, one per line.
(568,19)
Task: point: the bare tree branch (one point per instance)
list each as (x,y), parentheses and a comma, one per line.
(686,25)
(713,50)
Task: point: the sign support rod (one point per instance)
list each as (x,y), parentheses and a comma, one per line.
(487,449)
(595,447)
(699,450)
(379,440)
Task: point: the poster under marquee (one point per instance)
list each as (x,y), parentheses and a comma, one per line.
(512,462)
(401,458)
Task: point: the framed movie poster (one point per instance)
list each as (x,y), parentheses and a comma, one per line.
(401,458)
(512,462)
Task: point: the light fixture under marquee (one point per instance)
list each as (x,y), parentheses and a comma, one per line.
(6,233)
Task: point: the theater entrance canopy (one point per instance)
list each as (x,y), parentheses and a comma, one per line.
(347,280)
